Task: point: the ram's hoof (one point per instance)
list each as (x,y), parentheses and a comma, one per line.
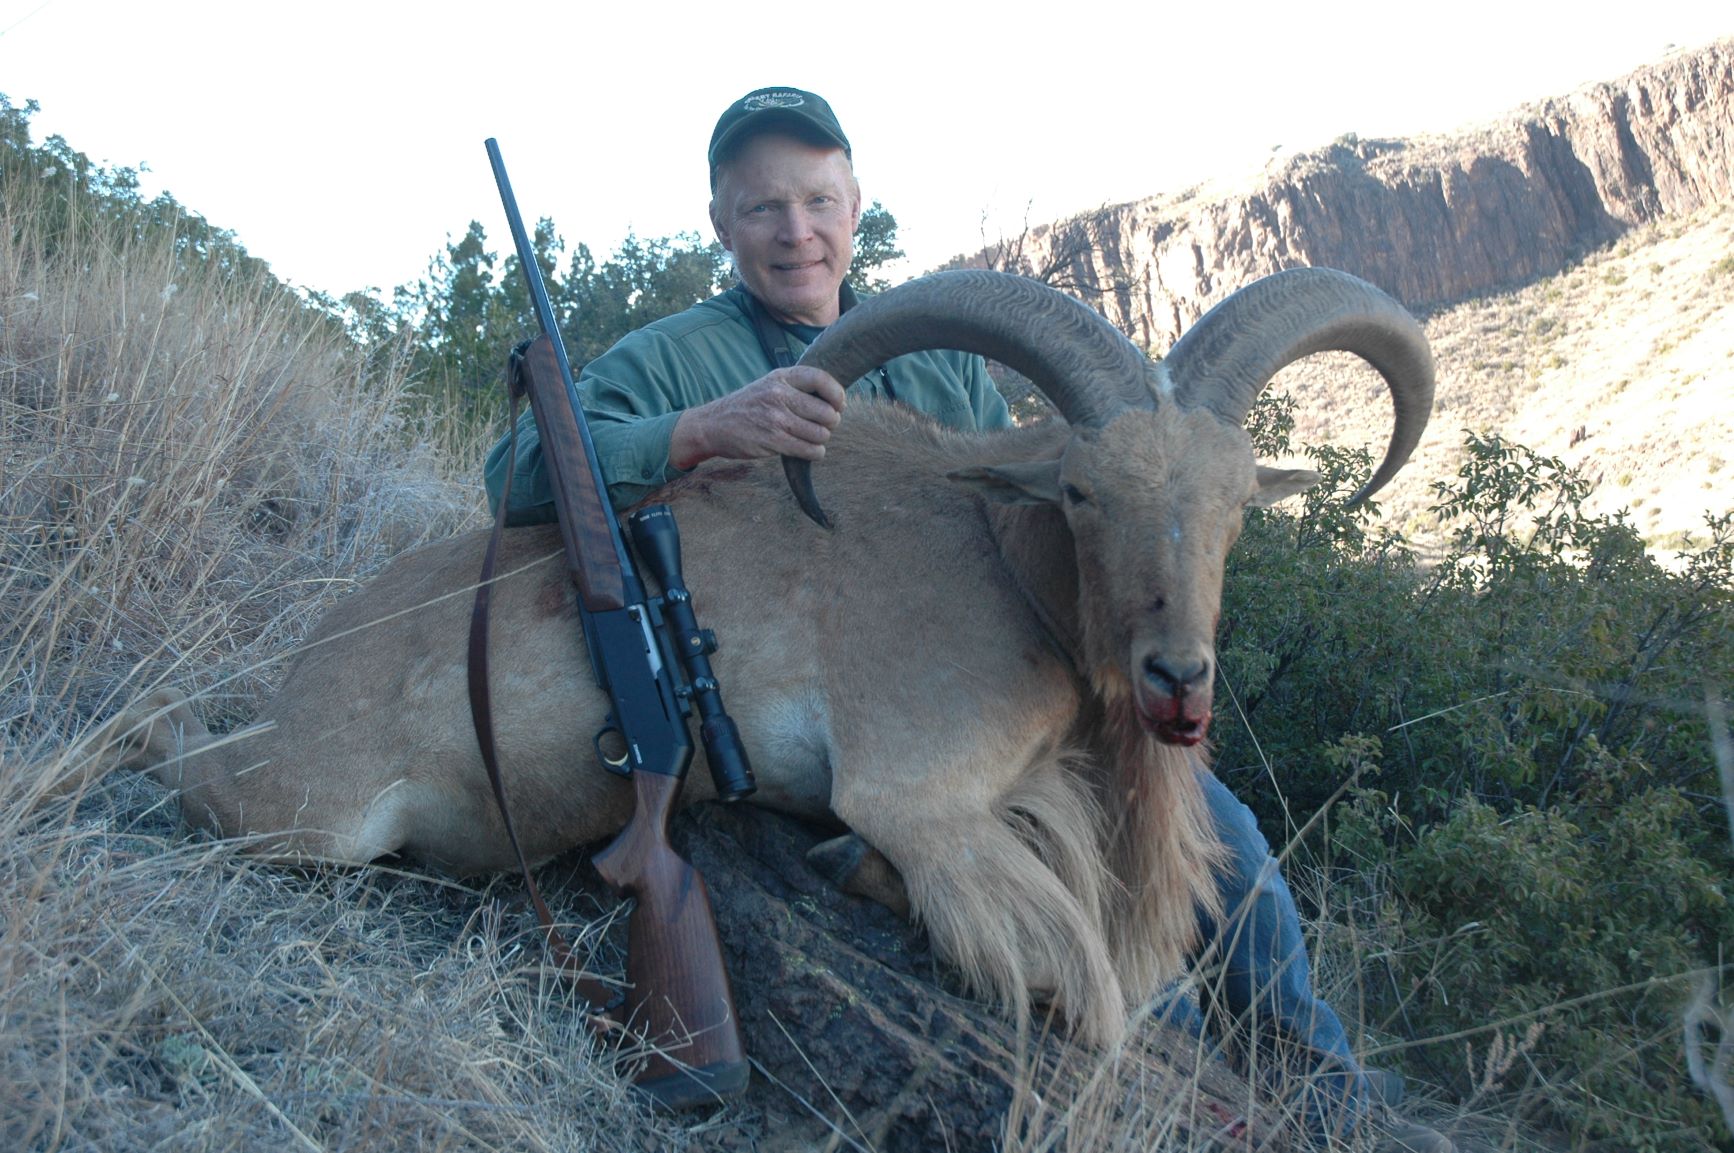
(857,868)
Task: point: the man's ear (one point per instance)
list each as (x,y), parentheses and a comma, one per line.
(1027,482)
(719,226)
(1276,484)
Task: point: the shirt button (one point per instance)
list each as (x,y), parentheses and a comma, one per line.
(645,473)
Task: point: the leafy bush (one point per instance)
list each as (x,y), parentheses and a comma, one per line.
(1538,806)
(1574,926)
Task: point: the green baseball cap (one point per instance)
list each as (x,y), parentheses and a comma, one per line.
(806,115)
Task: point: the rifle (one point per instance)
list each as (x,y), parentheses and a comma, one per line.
(678,1000)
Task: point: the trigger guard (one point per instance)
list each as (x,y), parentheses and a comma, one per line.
(619,764)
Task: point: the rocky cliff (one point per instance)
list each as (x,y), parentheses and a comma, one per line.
(1430,220)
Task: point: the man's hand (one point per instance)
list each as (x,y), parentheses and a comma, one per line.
(788,412)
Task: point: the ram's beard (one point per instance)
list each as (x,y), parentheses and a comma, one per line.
(1162,846)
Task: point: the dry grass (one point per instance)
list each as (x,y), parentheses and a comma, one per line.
(161,994)
(1622,365)
(1145,1096)
(194,467)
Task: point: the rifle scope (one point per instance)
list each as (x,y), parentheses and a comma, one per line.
(657,539)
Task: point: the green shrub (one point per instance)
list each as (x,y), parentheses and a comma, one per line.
(1539,809)
(1578,927)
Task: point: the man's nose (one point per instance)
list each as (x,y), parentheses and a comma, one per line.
(797,226)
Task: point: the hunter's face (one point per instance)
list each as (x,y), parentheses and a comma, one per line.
(787,211)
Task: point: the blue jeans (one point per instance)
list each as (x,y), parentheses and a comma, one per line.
(1256,969)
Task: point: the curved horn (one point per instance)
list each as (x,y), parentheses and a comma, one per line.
(1225,360)
(1083,364)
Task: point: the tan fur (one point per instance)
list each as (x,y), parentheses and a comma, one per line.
(951,676)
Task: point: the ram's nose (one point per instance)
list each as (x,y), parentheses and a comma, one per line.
(1177,678)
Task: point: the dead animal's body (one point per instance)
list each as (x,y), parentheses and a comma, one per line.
(996,668)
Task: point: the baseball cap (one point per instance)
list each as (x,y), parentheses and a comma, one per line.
(808,115)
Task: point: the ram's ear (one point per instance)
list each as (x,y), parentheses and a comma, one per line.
(1276,484)
(1026,482)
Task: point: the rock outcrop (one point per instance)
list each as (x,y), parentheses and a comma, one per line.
(1430,220)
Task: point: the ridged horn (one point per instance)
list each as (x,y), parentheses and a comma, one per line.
(1083,364)
(1225,360)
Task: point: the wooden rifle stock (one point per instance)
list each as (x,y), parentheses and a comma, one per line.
(680,996)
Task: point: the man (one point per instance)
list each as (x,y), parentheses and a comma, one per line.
(719,380)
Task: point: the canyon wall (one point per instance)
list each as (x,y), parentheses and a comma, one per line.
(1431,220)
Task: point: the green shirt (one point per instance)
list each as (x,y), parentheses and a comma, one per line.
(633,393)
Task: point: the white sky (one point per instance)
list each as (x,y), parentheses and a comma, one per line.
(342,141)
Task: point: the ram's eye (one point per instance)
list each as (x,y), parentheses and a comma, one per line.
(1074,494)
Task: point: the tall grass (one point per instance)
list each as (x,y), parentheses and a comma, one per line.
(193,466)
(173,431)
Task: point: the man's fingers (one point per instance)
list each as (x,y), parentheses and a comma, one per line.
(802,449)
(816,382)
(789,411)
(810,432)
(814,410)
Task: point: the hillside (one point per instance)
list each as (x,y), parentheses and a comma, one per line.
(1622,365)
(1576,259)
